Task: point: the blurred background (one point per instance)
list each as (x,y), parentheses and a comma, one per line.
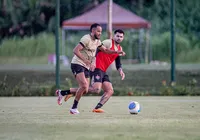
(27,45)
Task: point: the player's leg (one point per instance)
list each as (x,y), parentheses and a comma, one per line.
(94,88)
(72,92)
(108,91)
(76,69)
(67,93)
(96,81)
(62,93)
(83,81)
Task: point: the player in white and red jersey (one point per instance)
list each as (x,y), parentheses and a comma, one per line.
(100,79)
(83,62)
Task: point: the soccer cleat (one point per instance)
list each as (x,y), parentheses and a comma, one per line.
(74,111)
(59,99)
(67,97)
(99,110)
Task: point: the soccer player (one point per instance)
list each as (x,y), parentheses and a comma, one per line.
(100,79)
(83,61)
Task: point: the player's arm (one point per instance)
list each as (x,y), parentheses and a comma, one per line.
(93,64)
(77,52)
(119,67)
(106,50)
(94,61)
(123,53)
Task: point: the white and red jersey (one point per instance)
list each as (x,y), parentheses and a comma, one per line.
(104,60)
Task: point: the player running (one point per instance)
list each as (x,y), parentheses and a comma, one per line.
(100,78)
(83,61)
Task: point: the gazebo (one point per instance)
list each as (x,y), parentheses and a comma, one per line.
(121,18)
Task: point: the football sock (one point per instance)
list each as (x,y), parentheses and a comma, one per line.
(65,92)
(99,105)
(75,104)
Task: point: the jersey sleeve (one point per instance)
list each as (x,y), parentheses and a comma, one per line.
(84,41)
(107,43)
(99,43)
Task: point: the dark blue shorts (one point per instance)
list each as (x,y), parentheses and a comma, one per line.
(99,76)
(76,69)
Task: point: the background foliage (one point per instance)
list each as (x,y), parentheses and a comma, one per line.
(137,83)
(26,18)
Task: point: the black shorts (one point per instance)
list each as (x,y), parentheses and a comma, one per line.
(76,69)
(99,76)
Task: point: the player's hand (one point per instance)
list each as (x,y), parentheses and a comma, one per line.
(122,54)
(122,74)
(87,62)
(92,67)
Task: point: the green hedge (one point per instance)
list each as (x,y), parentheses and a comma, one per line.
(187,47)
(28,47)
(20,86)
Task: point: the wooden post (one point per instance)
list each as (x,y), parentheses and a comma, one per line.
(147,47)
(109,25)
(63,42)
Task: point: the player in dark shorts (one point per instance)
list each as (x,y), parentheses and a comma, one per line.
(100,79)
(82,62)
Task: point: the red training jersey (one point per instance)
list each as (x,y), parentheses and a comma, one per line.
(103,60)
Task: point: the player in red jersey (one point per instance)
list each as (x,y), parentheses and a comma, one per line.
(83,62)
(100,79)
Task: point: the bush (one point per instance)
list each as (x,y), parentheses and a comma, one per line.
(34,46)
(161,46)
(191,55)
(180,90)
(24,88)
(29,49)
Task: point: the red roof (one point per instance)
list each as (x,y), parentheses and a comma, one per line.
(121,18)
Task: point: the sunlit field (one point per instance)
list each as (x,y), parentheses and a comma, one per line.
(40,118)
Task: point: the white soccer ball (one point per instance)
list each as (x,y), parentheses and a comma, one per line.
(134,107)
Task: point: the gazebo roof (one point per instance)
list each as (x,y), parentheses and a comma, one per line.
(121,18)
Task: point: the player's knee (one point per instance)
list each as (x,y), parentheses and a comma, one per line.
(94,90)
(97,90)
(84,86)
(110,92)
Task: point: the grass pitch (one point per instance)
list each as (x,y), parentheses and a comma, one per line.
(40,118)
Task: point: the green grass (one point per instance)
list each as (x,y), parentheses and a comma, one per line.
(40,118)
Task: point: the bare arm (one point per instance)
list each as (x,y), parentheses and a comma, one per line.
(93,64)
(123,53)
(77,50)
(106,50)
(122,74)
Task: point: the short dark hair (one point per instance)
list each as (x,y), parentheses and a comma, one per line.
(119,31)
(95,25)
